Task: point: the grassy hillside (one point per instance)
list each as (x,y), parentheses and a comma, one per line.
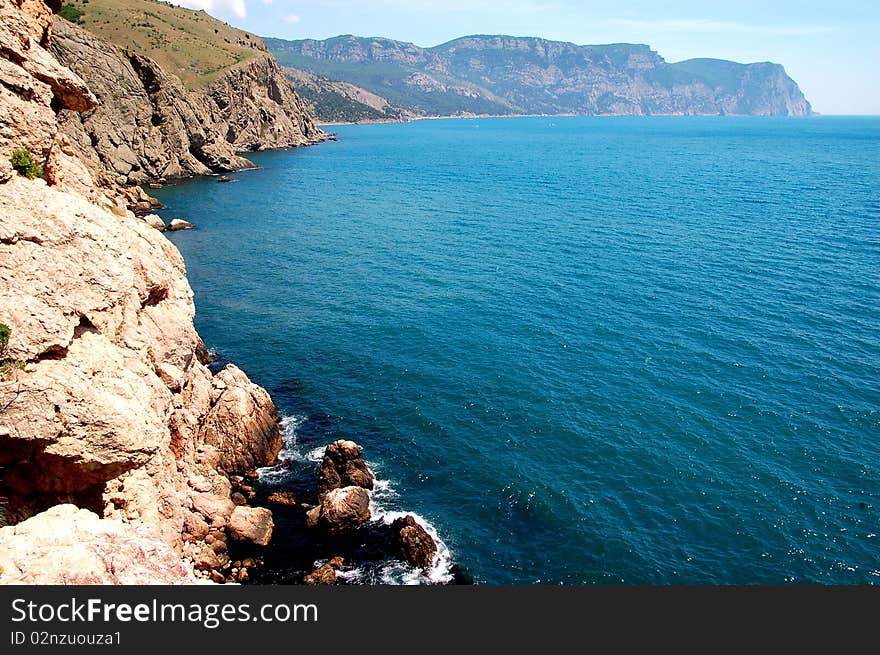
(191,44)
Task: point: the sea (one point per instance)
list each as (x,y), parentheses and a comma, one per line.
(640,351)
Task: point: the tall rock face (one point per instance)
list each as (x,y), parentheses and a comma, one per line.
(523,75)
(148,126)
(256,107)
(104,402)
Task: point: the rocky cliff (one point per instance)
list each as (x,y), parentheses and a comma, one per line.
(524,75)
(105,400)
(149,127)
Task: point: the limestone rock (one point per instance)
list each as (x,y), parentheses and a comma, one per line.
(66,545)
(167,132)
(154,221)
(341,510)
(32,84)
(343,466)
(170,131)
(179,224)
(412,541)
(252,524)
(213,507)
(257,108)
(242,423)
(110,409)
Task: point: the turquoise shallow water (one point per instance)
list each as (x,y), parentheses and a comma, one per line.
(586,350)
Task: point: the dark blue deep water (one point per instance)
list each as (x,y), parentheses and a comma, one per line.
(586,350)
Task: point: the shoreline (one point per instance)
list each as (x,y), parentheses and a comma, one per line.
(567,115)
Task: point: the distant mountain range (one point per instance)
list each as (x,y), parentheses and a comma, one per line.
(522,75)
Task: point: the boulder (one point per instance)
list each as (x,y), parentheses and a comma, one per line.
(325,574)
(213,507)
(155,221)
(252,524)
(180,224)
(413,543)
(341,510)
(242,423)
(343,466)
(66,545)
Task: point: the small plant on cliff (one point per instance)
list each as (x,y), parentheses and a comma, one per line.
(4,338)
(71,13)
(7,366)
(23,161)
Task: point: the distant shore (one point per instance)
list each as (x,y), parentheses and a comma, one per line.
(436,118)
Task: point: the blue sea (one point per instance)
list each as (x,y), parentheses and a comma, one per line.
(583,350)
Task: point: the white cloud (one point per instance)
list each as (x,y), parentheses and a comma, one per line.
(706,26)
(293,19)
(217,7)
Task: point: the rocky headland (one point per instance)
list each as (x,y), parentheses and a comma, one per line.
(494,75)
(148,127)
(123,457)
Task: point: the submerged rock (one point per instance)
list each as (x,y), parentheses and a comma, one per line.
(341,510)
(413,543)
(343,466)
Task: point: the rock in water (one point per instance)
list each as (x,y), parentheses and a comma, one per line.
(413,543)
(252,524)
(341,510)
(325,574)
(282,498)
(179,224)
(343,466)
(155,221)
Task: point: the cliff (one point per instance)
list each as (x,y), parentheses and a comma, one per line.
(332,101)
(105,399)
(524,75)
(149,127)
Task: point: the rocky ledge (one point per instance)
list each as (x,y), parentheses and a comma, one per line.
(105,399)
(123,458)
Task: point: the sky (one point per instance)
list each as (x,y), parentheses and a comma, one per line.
(831,48)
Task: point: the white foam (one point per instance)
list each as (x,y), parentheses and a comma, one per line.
(440,571)
(290,451)
(382,497)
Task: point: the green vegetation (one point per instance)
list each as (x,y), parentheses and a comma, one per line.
(71,13)
(191,44)
(7,366)
(4,338)
(333,107)
(22,160)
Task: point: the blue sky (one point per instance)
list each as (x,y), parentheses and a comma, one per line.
(830,47)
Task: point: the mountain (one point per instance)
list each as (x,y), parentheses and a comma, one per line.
(180,93)
(333,101)
(192,45)
(523,75)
